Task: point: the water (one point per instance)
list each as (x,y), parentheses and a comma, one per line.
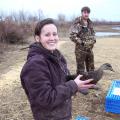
(116,28)
(102,34)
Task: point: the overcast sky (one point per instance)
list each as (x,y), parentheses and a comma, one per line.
(100,9)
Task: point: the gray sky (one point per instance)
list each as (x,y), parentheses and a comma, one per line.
(100,9)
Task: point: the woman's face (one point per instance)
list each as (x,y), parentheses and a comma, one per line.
(49,37)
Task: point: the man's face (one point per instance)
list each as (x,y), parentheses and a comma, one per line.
(85,15)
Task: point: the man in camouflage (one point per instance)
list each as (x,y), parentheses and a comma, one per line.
(83,35)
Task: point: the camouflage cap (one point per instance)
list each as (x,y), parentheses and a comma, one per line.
(85,9)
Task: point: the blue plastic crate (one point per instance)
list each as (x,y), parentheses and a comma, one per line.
(82,118)
(112,102)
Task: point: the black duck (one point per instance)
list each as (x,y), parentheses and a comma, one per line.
(95,75)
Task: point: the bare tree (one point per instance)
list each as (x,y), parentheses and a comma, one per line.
(22,16)
(40,14)
(61,18)
(2,15)
(15,16)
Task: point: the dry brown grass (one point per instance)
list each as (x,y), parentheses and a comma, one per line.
(105,50)
(14,104)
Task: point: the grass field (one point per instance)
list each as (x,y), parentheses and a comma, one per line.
(106,50)
(14,104)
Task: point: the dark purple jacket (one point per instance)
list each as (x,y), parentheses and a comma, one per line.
(43,79)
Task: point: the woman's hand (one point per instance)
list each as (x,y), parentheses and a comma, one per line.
(83,84)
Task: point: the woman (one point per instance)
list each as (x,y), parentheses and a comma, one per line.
(43,76)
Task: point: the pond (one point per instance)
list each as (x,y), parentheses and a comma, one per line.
(116,28)
(102,34)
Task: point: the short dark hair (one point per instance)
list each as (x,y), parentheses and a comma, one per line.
(85,9)
(41,24)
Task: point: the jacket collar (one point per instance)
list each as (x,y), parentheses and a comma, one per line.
(37,48)
(88,20)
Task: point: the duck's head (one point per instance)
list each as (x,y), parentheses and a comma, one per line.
(107,66)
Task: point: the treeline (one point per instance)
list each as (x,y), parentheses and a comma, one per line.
(17,26)
(104,22)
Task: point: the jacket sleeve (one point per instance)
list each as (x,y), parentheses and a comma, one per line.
(74,32)
(94,40)
(35,78)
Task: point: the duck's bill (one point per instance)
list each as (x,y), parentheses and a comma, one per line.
(112,70)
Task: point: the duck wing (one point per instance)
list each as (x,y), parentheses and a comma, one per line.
(95,75)
(71,77)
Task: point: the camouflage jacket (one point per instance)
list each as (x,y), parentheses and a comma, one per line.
(82,35)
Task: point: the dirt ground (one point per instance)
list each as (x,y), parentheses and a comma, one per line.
(14,104)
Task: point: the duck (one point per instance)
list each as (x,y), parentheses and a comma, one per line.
(95,75)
